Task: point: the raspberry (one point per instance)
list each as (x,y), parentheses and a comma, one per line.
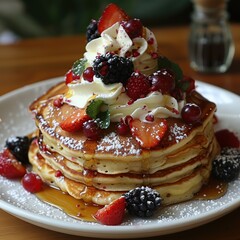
(19,146)
(142,201)
(92,31)
(112,68)
(137,86)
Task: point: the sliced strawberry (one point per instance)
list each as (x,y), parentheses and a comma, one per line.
(69,77)
(111,14)
(113,213)
(74,122)
(10,167)
(148,135)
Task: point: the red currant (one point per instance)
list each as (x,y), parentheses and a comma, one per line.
(91,130)
(133,27)
(122,128)
(88,74)
(162,80)
(32,182)
(58,102)
(191,113)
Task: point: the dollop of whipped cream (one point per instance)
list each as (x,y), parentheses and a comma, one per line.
(115,39)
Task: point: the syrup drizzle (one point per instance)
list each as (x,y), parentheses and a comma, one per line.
(85,211)
(73,207)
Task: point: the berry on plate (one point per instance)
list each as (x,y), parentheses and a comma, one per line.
(148,135)
(10,167)
(113,213)
(19,146)
(111,14)
(32,182)
(142,201)
(74,122)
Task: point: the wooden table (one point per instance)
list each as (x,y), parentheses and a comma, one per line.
(30,61)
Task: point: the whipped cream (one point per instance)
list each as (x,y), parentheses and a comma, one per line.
(115,39)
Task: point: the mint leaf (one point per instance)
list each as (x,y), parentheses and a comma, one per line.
(164,62)
(94,111)
(94,108)
(103,119)
(79,66)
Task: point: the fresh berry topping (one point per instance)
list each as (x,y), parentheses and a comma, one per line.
(227,138)
(10,167)
(58,102)
(191,113)
(111,14)
(92,31)
(123,128)
(226,167)
(148,135)
(32,182)
(149,118)
(163,80)
(88,74)
(112,68)
(230,151)
(91,130)
(113,213)
(74,122)
(137,86)
(133,28)
(142,201)
(19,146)
(70,77)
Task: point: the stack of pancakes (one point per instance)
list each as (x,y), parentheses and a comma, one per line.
(101,171)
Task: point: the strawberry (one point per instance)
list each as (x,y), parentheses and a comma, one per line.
(111,14)
(148,135)
(70,76)
(137,86)
(74,122)
(113,213)
(10,167)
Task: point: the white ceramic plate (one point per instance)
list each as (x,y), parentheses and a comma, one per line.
(16,120)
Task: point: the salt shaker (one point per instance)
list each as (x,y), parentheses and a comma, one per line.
(211,47)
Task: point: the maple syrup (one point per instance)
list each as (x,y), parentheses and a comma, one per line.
(73,207)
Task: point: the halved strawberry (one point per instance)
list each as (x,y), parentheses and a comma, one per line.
(74,122)
(148,135)
(113,213)
(111,14)
(70,76)
(10,167)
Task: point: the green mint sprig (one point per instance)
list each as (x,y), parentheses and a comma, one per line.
(101,117)
(79,66)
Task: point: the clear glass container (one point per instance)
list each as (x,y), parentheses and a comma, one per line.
(211,47)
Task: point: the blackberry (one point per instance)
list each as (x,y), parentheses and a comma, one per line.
(112,68)
(19,147)
(230,151)
(92,31)
(226,167)
(142,201)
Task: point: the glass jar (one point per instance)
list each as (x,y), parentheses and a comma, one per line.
(211,46)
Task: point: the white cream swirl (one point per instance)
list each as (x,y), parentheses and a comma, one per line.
(115,39)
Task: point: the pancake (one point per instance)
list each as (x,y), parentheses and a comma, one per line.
(100,171)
